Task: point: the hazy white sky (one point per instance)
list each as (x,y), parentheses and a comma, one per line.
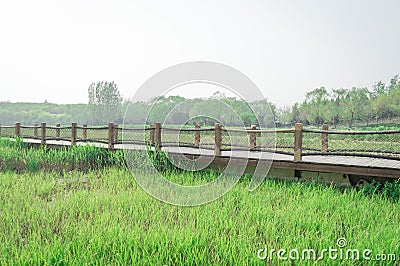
(52,50)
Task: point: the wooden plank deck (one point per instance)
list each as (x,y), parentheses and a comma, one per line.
(353,165)
(315,163)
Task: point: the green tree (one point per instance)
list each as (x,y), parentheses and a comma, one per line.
(266,112)
(315,103)
(356,105)
(162,106)
(135,113)
(378,89)
(105,102)
(338,98)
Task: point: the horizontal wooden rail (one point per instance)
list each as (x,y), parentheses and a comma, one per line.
(26,126)
(60,127)
(344,132)
(93,128)
(187,129)
(258,130)
(133,129)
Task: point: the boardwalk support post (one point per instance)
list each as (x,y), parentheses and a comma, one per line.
(35,130)
(111,136)
(58,131)
(157,137)
(73,134)
(115,134)
(84,132)
(324,139)
(17,130)
(43,134)
(197,136)
(253,138)
(152,129)
(298,141)
(217,139)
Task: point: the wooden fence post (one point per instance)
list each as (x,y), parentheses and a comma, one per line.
(17,129)
(298,141)
(111,135)
(0,130)
(152,129)
(157,137)
(197,136)
(253,138)
(217,139)
(115,133)
(43,134)
(84,132)
(324,139)
(35,130)
(73,134)
(58,131)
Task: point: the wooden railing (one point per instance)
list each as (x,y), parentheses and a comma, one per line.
(296,141)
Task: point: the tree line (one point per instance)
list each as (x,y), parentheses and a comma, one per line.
(105,104)
(345,106)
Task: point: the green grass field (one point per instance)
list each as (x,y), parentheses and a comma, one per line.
(62,213)
(103,217)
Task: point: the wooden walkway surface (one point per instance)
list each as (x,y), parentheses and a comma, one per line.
(353,165)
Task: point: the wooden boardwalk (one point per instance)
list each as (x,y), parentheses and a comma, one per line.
(341,165)
(333,156)
(364,166)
